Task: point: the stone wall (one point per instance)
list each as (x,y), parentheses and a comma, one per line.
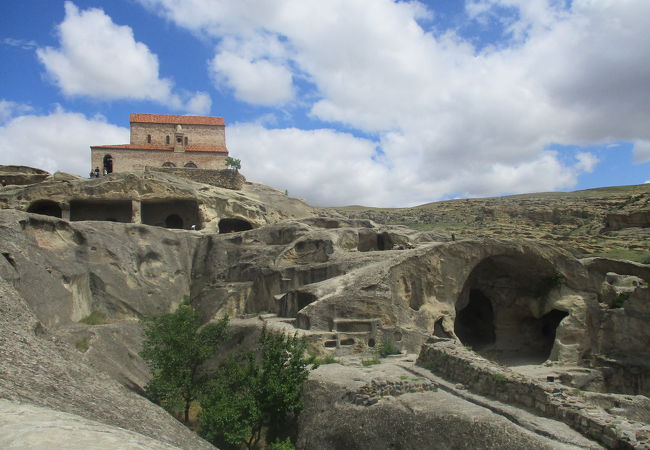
(200,135)
(224,178)
(125,160)
(458,364)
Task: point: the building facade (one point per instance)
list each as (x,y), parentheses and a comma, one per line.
(166,141)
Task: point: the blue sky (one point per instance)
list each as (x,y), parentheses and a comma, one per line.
(373,102)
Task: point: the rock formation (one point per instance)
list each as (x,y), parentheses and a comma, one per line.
(92,257)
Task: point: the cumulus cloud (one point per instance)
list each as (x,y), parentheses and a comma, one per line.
(254,81)
(586,162)
(9,109)
(326,166)
(642,151)
(100,59)
(57,141)
(447,117)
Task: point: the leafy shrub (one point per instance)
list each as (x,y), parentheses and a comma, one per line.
(281,445)
(249,395)
(387,347)
(94,318)
(547,284)
(174,347)
(620,300)
(646,260)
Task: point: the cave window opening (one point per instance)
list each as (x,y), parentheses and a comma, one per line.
(174,221)
(234,225)
(45,208)
(548,327)
(384,242)
(190,165)
(169,164)
(474,324)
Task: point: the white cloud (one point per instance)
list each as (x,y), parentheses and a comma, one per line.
(200,104)
(9,109)
(586,162)
(254,81)
(642,151)
(448,118)
(326,166)
(57,141)
(100,59)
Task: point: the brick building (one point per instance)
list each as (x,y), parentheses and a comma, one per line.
(166,141)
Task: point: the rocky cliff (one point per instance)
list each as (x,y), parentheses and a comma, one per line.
(80,271)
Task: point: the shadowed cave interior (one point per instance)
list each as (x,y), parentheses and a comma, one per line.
(501,312)
(46,208)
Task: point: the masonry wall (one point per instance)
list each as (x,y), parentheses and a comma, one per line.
(460,365)
(200,135)
(130,160)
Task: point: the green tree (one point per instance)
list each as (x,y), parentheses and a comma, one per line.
(174,347)
(232,163)
(249,396)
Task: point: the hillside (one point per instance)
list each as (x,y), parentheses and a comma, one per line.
(611,221)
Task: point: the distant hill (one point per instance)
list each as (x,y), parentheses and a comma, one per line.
(609,221)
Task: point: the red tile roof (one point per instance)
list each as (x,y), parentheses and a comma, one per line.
(183,120)
(189,148)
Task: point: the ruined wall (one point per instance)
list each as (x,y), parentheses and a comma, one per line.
(128,160)
(200,135)
(457,364)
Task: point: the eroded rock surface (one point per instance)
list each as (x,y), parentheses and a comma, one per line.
(350,286)
(38,369)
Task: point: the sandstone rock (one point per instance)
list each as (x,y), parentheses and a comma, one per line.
(21,175)
(38,369)
(36,428)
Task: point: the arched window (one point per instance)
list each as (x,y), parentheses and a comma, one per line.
(174,221)
(148,139)
(169,164)
(167,140)
(187,140)
(107,162)
(190,165)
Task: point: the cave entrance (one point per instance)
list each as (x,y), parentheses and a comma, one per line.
(234,225)
(502,311)
(45,208)
(474,324)
(176,214)
(105,210)
(174,221)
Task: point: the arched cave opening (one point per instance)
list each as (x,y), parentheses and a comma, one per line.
(234,225)
(502,311)
(45,208)
(474,324)
(174,221)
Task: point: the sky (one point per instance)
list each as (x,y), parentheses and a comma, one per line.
(340,102)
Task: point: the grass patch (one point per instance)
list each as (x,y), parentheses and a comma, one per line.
(370,362)
(624,254)
(94,318)
(500,378)
(327,359)
(82,344)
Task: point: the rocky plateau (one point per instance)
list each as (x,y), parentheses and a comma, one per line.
(518,332)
